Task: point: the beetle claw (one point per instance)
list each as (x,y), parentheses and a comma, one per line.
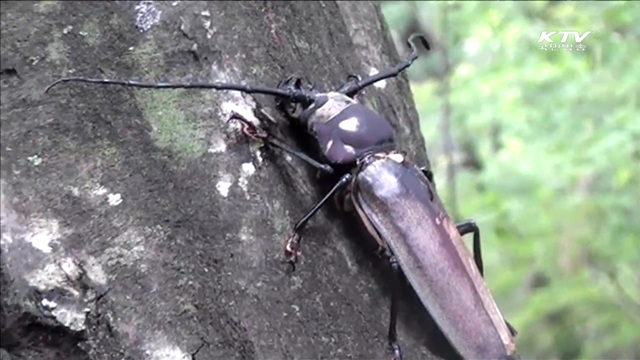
(292,250)
(248,128)
(397,354)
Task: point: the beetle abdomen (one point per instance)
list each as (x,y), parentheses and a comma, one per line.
(394,197)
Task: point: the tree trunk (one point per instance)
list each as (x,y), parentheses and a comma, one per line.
(137,224)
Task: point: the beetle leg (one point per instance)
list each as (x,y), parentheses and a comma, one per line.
(395,288)
(343,201)
(351,88)
(466,228)
(428,173)
(254,132)
(512,330)
(292,249)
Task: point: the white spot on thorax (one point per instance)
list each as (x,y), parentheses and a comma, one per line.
(351,124)
(380,84)
(114,199)
(147,15)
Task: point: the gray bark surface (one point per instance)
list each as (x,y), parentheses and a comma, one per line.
(133,223)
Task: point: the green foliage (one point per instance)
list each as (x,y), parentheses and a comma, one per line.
(557,138)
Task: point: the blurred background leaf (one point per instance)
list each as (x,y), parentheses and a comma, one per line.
(542,149)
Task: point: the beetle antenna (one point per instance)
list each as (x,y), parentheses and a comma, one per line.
(294,94)
(352,87)
(412,43)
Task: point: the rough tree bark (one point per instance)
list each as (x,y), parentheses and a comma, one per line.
(137,224)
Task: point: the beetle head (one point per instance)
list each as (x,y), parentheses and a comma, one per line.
(343,129)
(293,108)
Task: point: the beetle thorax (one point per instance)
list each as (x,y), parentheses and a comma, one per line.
(346,130)
(328,106)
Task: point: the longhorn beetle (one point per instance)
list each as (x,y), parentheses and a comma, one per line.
(395,199)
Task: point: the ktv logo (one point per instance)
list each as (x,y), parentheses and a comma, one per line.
(546,40)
